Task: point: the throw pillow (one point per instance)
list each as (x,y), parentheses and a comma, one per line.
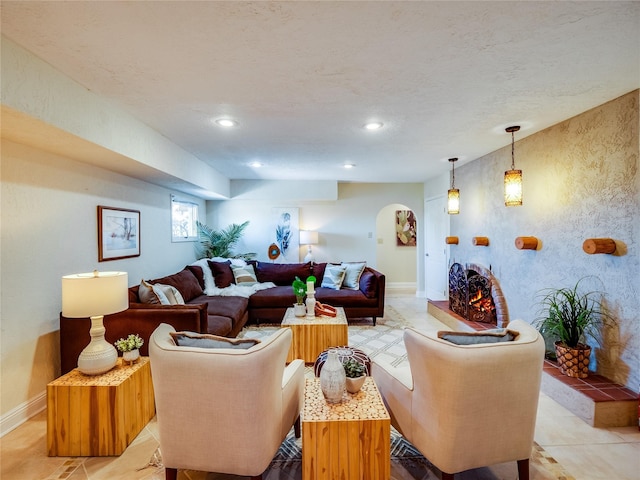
(244,275)
(205,340)
(148,294)
(495,335)
(185,281)
(333,276)
(173,295)
(222,274)
(352,275)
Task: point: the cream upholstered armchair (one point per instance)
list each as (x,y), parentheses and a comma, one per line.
(466,406)
(221,409)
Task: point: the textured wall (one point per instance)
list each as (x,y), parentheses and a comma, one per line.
(580,181)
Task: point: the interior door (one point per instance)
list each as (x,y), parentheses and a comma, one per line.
(436,226)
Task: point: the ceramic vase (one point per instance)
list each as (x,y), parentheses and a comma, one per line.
(332,378)
(311,304)
(131,356)
(299,310)
(355,384)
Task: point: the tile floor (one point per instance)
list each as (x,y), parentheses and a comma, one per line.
(586,453)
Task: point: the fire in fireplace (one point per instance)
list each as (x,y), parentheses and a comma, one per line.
(470,295)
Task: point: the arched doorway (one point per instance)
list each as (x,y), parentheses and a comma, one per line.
(397,258)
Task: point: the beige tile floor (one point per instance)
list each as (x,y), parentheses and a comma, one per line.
(586,453)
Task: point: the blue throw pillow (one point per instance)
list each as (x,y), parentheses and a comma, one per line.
(333,276)
(495,335)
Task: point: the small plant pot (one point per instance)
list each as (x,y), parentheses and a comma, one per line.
(573,362)
(131,356)
(355,384)
(299,309)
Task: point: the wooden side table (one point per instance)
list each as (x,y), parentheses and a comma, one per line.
(350,440)
(312,335)
(99,415)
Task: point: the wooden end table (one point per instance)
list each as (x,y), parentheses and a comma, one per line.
(313,335)
(350,440)
(91,416)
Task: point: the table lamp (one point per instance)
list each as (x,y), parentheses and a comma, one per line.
(308,238)
(94,295)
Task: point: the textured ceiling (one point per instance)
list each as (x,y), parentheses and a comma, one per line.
(302,78)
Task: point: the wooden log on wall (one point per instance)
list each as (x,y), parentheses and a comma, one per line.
(526,243)
(599,245)
(481,241)
(451,240)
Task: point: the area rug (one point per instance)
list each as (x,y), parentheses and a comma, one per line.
(384,342)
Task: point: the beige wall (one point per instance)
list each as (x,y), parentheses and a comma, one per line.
(49,229)
(580,181)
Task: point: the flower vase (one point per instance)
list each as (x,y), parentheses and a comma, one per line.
(332,378)
(131,356)
(299,310)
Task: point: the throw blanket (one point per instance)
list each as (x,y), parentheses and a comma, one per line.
(245,290)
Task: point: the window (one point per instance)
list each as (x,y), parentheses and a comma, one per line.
(184,215)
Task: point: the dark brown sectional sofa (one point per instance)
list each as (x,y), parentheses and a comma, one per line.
(222,315)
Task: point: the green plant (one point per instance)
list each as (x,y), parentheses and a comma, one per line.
(571,316)
(353,368)
(132,342)
(299,289)
(220,243)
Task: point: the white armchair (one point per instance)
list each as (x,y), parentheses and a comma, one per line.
(224,410)
(466,406)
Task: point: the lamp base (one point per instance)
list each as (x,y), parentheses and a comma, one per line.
(309,256)
(99,356)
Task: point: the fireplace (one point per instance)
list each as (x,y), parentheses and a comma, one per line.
(475,295)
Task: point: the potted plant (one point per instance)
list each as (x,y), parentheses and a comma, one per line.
(571,316)
(356,375)
(299,290)
(220,243)
(130,347)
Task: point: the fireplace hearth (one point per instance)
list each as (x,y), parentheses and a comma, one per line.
(473,291)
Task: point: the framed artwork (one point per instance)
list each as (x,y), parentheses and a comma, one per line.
(286,234)
(118,233)
(405,228)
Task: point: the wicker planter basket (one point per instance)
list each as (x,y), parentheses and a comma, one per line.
(573,362)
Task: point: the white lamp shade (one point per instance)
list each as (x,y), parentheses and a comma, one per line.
(307,237)
(96,293)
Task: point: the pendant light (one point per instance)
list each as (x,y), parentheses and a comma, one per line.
(513,177)
(453,196)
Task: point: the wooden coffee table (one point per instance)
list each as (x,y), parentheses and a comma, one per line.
(313,335)
(349,440)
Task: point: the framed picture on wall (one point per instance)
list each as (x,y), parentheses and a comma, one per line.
(405,228)
(118,233)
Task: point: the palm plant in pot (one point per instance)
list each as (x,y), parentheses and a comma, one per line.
(571,316)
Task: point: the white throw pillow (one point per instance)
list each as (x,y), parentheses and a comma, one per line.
(245,275)
(352,275)
(173,295)
(150,295)
(333,276)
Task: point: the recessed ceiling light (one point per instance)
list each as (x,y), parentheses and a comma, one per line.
(373,125)
(349,165)
(255,164)
(226,122)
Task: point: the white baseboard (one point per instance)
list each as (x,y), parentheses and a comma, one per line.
(16,417)
(400,285)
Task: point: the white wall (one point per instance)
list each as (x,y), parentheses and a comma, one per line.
(580,180)
(49,229)
(347,226)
